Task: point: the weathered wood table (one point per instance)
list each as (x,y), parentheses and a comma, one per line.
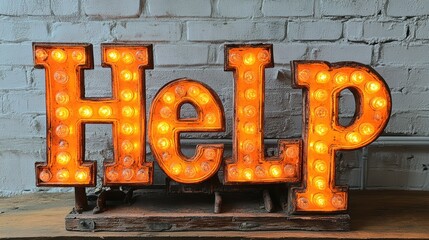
(374,214)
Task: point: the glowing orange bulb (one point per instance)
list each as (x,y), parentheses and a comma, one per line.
(210,118)
(127,111)
(321,129)
(320,147)
(320,166)
(275,171)
(166,156)
(358,77)
(112,175)
(62,98)
(113,55)
(249,59)
(320,200)
(250,128)
(127,58)
(163,127)
(41,55)
(165,112)
(59,55)
(81,176)
(45,175)
(62,113)
(193,91)
(234,58)
(62,131)
(372,87)
(168,97)
(105,111)
(203,98)
(321,95)
(321,112)
(250,94)
(126,75)
(78,56)
(338,201)
(292,152)
(366,129)
(127,146)
(63,158)
(249,111)
(127,128)
(190,171)
(353,137)
(163,143)
(378,103)
(319,183)
(303,203)
(176,168)
(249,77)
(323,77)
(248,146)
(141,56)
(341,78)
(247,159)
(127,95)
(128,161)
(233,172)
(127,174)
(85,111)
(248,174)
(61,77)
(63,175)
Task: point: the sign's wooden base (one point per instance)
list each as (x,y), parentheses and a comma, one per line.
(159,211)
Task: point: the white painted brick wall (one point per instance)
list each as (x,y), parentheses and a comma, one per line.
(188,38)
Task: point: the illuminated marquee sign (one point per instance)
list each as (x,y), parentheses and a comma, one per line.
(308,162)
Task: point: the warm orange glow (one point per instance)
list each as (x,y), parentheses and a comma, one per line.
(68,111)
(323,134)
(248,163)
(165,126)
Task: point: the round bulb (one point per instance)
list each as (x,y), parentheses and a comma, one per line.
(41,54)
(126,75)
(105,111)
(205,166)
(193,91)
(250,94)
(234,58)
(319,183)
(59,55)
(260,171)
(353,137)
(249,59)
(127,95)
(320,147)
(112,175)
(275,171)
(190,171)
(142,175)
(320,200)
(127,58)
(249,77)
(304,75)
(62,131)
(113,55)
(180,91)
(163,143)
(62,98)
(45,175)
(165,112)
(127,111)
(302,203)
(127,128)
(323,77)
(61,77)
(372,87)
(163,127)
(176,168)
(320,166)
(321,95)
(292,152)
(248,174)
(248,146)
(366,129)
(203,98)
(127,146)
(249,111)
(78,56)
(85,111)
(233,172)
(378,103)
(321,129)
(289,170)
(168,97)
(209,154)
(128,161)
(341,78)
(210,118)
(250,128)
(63,158)
(62,113)
(81,176)
(358,77)
(127,174)
(338,201)
(264,56)
(321,112)
(63,175)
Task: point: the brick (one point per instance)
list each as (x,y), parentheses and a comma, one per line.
(238,30)
(287,8)
(376,31)
(403,102)
(422,31)
(24,102)
(348,8)
(111,8)
(24,126)
(13,79)
(286,52)
(16,54)
(25,7)
(181,55)
(418,79)
(401,8)
(65,7)
(320,30)
(246,8)
(93,32)
(148,31)
(18,31)
(400,123)
(179,8)
(341,52)
(98,82)
(407,55)
(395,77)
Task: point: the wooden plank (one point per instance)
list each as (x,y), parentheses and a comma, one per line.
(374,215)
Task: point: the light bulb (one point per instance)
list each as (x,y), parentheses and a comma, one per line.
(248,174)
(127,95)
(59,55)
(168,97)
(63,175)
(85,111)
(113,55)
(81,176)
(249,59)
(323,77)
(126,75)
(358,77)
(163,127)
(63,158)
(275,171)
(105,111)
(62,113)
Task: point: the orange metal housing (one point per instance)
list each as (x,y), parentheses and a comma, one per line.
(248,163)
(324,135)
(165,126)
(68,110)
